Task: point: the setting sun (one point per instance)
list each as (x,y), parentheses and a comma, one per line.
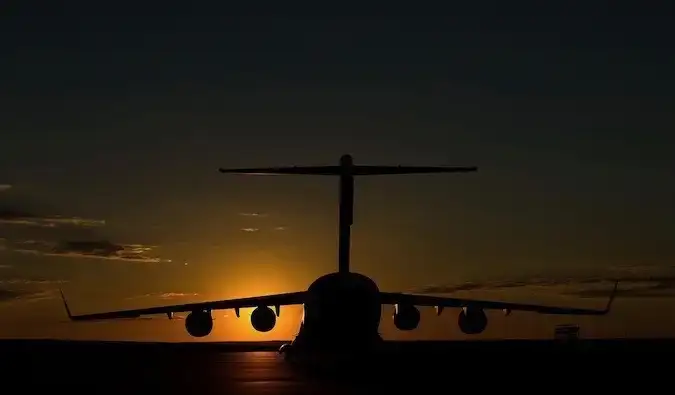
(250,274)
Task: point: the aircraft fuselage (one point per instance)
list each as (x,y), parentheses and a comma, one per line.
(342,311)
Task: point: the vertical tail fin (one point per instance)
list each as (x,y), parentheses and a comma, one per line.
(346,170)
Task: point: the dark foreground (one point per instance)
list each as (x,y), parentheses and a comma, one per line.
(248,368)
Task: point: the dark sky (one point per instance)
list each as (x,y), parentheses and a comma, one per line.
(124,115)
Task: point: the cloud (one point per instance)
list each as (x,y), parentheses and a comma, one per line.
(256,229)
(99,249)
(4,187)
(16,217)
(253,230)
(9,295)
(635,281)
(29,281)
(258,215)
(28,289)
(165,295)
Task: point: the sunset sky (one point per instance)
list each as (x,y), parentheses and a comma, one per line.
(113,128)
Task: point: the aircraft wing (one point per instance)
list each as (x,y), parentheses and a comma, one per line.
(356,170)
(441,302)
(267,300)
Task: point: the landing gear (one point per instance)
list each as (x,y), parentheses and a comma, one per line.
(286,350)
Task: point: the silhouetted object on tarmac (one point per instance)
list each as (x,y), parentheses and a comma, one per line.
(341,310)
(566,333)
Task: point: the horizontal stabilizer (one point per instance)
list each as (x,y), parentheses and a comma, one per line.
(310,170)
(355,170)
(384,170)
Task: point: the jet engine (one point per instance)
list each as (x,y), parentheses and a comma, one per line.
(263,319)
(406,317)
(199,323)
(472,321)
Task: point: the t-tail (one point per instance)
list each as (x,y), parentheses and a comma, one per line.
(347,170)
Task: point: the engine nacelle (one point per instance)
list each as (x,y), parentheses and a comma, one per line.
(199,323)
(472,321)
(406,317)
(263,319)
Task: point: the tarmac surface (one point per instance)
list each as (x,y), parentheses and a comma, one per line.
(257,368)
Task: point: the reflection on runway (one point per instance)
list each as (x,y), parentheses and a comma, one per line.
(267,372)
(256,370)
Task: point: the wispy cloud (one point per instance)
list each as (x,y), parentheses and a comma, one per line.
(9,295)
(635,281)
(4,187)
(254,230)
(16,217)
(29,281)
(258,215)
(99,249)
(28,289)
(165,295)
(168,296)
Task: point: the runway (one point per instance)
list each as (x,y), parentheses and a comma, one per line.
(222,369)
(185,372)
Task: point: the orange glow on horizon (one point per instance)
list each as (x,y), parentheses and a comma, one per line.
(253,274)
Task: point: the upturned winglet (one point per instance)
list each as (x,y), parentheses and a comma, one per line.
(65,305)
(611,297)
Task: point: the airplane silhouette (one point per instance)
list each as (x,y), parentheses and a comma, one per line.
(342,310)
